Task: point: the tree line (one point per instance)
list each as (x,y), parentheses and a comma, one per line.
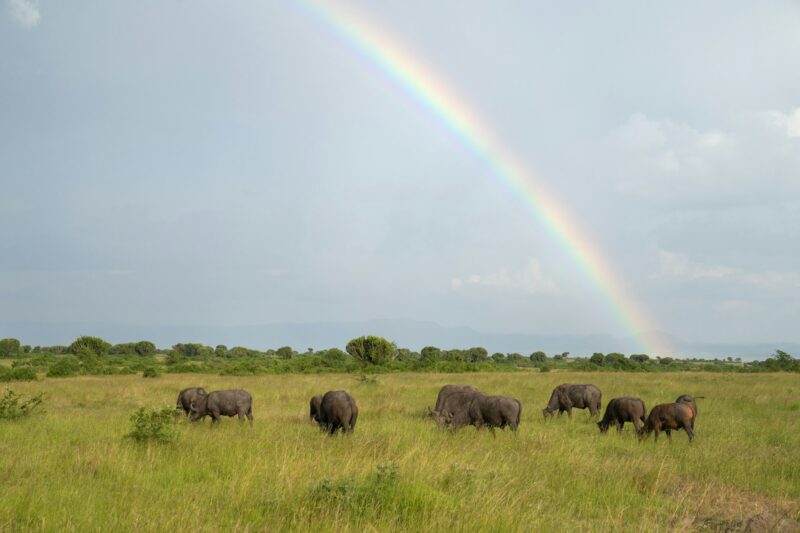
(93,355)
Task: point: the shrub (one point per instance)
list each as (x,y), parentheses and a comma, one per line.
(191,350)
(153,425)
(22,373)
(90,362)
(243,368)
(186,368)
(13,405)
(150,372)
(334,358)
(65,366)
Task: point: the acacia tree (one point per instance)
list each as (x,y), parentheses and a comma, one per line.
(371,349)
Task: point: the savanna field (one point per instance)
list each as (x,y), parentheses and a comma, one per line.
(68,466)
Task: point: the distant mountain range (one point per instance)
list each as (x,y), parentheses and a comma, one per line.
(406,333)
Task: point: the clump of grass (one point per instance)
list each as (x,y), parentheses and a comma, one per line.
(12,405)
(157,425)
(364,378)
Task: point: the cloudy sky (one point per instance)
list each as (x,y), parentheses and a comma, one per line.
(239,163)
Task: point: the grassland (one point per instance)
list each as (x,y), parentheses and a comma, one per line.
(69,467)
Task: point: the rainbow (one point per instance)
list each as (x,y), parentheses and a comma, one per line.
(372,42)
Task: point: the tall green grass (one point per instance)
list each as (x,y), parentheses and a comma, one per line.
(70,467)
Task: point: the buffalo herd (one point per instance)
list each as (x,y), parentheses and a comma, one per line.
(464,405)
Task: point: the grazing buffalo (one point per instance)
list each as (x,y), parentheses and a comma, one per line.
(453,406)
(337,410)
(316,402)
(185,398)
(690,401)
(494,412)
(223,402)
(621,410)
(447,390)
(567,395)
(667,417)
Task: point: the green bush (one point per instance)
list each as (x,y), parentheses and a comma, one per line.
(244,368)
(187,368)
(334,358)
(65,366)
(156,425)
(23,373)
(150,372)
(13,405)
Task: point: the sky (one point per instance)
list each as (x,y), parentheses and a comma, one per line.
(242,163)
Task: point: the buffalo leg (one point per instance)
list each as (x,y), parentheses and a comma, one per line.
(619,426)
(690,433)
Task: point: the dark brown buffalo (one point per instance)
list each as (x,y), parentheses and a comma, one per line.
(316,402)
(690,401)
(337,410)
(668,417)
(494,412)
(621,410)
(567,396)
(454,408)
(223,403)
(185,398)
(447,390)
